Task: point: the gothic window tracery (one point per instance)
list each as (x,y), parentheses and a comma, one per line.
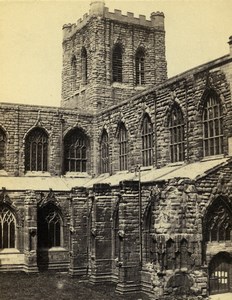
(218,224)
(2,149)
(212,126)
(36,150)
(75,151)
(147,141)
(49,227)
(140,67)
(104,152)
(176,130)
(117,63)
(7,228)
(122,140)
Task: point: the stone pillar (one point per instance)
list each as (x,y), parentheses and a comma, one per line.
(129,226)
(30,233)
(101,234)
(78,232)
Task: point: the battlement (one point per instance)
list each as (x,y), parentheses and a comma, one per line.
(98,9)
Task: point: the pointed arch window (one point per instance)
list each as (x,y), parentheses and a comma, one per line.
(7,228)
(140,67)
(117,63)
(122,140)
(218,225)
(49,226)
(73,73)
(2,149)
(176,131)
(104,152)
(147,141)
(212,126)
(36,150)
(84,65)
(75,151)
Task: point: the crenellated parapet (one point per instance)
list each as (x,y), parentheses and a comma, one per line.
(98,9)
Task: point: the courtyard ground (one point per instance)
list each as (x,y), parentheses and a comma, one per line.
(56,286)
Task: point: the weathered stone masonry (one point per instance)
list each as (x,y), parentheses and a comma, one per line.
(163,228)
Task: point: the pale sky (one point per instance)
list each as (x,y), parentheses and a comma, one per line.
(197,31)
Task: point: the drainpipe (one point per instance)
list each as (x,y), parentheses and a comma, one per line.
(140,221)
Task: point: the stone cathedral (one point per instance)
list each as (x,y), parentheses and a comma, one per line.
(130,179)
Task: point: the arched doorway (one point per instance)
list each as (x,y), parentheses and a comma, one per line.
(220,273)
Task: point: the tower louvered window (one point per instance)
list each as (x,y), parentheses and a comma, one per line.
(2,149)
(176,129)
(117,63)
(7,228)
(147,141)
(122,139)
(104,148)
(212,126)
(140,67)
(36,150)
(84,65)
(75,151)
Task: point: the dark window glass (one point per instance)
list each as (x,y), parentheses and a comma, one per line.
(49,227)
(36,150)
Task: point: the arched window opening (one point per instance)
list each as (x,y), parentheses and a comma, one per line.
(73,73)
(122,140)
(176,130)
(140,67)
(147,141)
(2,149)
(104,152)
(49,227)
(218,224)
(75,151)
(7,228)
(170,254)
(36,150)
(117,63)
(84,65)
(212,126)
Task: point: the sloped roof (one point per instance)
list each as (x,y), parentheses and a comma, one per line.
(192,171)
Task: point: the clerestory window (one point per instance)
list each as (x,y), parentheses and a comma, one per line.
(147,141)
(212,126)
(104,152)
(123,151)
(176,131)
(36,150)
(75,151)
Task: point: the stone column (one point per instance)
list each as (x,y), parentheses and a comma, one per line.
(129,226)
(101,234)
(30,232)
(78,232)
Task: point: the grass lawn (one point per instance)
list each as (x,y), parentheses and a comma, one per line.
(56,286)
